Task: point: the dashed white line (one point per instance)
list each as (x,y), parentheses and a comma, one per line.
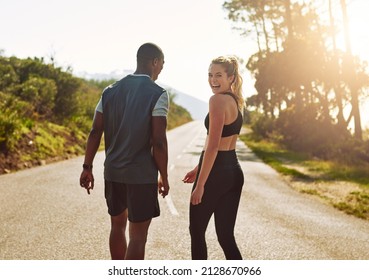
(171,206)
(168,198)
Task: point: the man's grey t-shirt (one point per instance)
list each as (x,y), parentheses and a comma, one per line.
(128,106)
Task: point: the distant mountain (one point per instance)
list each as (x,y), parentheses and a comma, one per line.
(197,108)
(117,74)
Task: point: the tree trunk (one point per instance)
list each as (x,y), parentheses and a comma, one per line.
(258,37)
(353,87)
(289,24)
(336,87)
(275,36)
(265,35)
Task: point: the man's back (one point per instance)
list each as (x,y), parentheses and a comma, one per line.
(127,109)
(132,114)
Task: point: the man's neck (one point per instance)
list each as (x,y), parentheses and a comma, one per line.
(142,72)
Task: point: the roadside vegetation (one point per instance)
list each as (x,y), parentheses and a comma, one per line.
(341,184)
(177,114)
(46,112)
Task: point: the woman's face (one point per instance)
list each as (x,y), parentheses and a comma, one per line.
(218,79)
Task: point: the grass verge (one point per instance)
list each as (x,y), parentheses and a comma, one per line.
(344,187)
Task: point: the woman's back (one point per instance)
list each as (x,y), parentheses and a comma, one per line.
(232,121)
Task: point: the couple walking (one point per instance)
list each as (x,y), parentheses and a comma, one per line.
(132,115)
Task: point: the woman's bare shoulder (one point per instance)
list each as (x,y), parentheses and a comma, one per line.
(218,98)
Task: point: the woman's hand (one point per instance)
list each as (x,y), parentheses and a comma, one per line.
(196,195)
(190,176)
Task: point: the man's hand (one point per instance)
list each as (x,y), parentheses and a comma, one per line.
(163,186)
(87,180)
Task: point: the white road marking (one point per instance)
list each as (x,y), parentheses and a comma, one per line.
(171,206)
(168,198)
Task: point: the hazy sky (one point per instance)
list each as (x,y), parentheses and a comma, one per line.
(103,36)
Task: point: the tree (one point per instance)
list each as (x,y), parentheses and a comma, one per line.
(299,72)
(351,75)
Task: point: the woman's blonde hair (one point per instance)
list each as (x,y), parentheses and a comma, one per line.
(230,65)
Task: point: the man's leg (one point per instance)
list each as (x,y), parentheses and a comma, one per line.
(137,240)
(117,239)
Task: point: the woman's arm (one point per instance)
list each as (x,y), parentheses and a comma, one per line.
(216,120)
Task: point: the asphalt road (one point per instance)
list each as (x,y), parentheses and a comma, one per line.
(45,215)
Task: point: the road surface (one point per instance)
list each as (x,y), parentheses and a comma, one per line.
(45,215)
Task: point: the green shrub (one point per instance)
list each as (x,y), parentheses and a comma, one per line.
(9,126)
(263,126)
(41,93)
(307,131)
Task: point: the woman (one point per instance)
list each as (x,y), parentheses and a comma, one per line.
(218,178)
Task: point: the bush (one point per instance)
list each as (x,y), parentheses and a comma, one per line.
(40,92)
(13,114)
(305,131)
(263,126)
(352,151)
(9,124)
(7,75)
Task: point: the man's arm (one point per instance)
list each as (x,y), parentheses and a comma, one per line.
(93,143)
(160,151)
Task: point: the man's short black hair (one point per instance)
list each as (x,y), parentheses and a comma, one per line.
(148,52)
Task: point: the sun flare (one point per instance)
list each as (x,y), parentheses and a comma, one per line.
(358,25)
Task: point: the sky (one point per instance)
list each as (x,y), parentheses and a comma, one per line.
(103,36)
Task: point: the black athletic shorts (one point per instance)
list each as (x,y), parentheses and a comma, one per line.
(141,200)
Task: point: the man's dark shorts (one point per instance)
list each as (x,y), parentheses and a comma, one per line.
(141,200)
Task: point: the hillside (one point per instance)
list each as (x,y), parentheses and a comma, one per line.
(47,112)
(197,108)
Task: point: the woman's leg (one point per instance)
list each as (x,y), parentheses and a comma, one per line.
(199,219)
(225,217)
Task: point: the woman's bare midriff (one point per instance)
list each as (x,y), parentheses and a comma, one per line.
(226,143)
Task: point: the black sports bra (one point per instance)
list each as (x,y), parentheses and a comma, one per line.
(228,129)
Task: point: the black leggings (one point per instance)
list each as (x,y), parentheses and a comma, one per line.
(222,194)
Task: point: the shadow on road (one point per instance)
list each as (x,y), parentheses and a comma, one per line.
(245,154)
(194,153)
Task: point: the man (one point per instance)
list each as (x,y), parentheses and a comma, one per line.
(132,115)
